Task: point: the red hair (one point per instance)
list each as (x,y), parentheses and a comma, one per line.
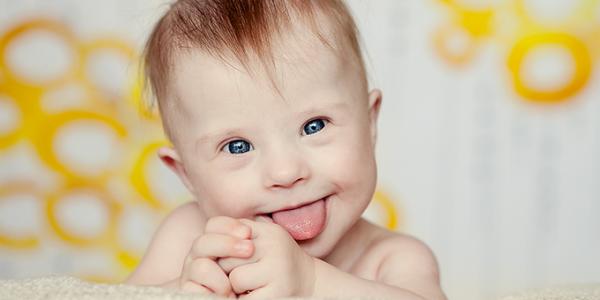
(237,28)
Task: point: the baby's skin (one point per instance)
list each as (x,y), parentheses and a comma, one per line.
(280,177)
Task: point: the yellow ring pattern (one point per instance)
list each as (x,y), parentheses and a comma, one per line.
(18,243)
(47,133)
(579,53)
(107,237)
(37,24)
(390,209)
(510,23)
(138,175)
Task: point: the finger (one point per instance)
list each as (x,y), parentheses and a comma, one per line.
(264,227)
(245,278)
(214,245)
(253,225)
(263,219)
(207,273)
(264,292)
(227,264)
(227,225)
(194,287)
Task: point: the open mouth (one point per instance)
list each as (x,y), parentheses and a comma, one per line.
(303,222)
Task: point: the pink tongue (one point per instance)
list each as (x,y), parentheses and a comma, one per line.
(304,222)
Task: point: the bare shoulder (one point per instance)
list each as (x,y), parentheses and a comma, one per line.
(170,245)
(406,262)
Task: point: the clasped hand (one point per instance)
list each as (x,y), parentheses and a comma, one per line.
(240,258)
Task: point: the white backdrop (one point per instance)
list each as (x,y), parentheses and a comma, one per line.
(500,177)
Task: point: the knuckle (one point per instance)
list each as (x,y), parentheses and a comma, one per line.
(212,223)
(222,289)
(202,264)
(223,263)
(203,238)
(235,278)
(246,222)
(197,245)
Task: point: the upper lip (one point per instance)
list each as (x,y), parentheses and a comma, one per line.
(294,206)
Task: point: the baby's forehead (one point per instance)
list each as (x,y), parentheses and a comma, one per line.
(296,62)
(208,86)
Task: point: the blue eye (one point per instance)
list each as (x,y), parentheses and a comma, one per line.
(314,126)
(238,147)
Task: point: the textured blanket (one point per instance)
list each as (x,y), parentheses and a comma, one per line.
(572,292)
(63,287)
(66,288)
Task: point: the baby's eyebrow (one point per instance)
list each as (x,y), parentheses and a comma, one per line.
(335,105)
(218,135)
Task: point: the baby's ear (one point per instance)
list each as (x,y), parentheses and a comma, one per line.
(169,156)
(375,98)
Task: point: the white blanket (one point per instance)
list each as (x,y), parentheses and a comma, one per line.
(63,287)
(570,292)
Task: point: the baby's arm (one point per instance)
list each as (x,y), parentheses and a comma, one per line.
(184,250)
(408,270)
(170,245)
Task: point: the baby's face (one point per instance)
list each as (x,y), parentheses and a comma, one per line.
(305,160)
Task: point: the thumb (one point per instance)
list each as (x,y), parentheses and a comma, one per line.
(263,219)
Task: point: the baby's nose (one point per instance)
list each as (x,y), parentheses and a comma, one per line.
(285,171)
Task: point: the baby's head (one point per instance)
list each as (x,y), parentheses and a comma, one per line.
(267,107)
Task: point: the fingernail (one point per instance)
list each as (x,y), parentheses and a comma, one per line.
(243,246)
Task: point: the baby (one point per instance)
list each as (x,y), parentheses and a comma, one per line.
(273,130)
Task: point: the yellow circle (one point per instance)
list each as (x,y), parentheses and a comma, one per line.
(582,16)
(53,27)
(392,219)
(576,48)
(473,23)
(27,102)
(113,45)
(139,99)
(442,38)
(138,175)
(7,139)
(49,128)
(478,22)
(19,243)
(106,238)
(127,260)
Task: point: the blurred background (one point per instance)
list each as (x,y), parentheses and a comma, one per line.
(489,144)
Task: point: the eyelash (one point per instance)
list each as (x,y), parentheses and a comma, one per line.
(227,146)
(325,122)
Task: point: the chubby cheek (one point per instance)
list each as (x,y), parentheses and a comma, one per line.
(225,194)
(349,164)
